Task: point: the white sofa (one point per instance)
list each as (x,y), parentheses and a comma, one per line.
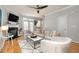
(55,45)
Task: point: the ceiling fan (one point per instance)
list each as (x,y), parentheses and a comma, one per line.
(39,7)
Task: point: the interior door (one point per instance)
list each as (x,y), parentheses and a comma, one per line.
(62,25)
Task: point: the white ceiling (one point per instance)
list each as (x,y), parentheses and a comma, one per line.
(26,11)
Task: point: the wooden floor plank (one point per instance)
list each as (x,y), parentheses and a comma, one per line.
(74,48)
(11,48)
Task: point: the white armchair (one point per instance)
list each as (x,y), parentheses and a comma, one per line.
(58,45)
(1,42)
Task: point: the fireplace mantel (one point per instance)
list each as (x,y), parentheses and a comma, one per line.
(11,25)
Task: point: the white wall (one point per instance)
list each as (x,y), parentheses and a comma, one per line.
(0,16)
(5,13)
(0,21)
(50,21)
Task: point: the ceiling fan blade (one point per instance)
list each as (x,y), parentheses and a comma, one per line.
(32,7)
(42,7)
(39,7)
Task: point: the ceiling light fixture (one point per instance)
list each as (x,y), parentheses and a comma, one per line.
(38,7)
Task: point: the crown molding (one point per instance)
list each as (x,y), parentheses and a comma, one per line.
(62,9)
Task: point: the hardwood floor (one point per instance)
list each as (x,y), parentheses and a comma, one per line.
(74,48)
(11,48)
(15,48)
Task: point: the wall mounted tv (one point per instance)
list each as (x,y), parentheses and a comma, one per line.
(13,17)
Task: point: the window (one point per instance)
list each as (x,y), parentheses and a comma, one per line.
(31,26)
(25,23)
(28,24)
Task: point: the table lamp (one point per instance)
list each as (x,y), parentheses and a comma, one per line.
(4,28)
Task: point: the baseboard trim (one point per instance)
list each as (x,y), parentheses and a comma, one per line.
(75,42)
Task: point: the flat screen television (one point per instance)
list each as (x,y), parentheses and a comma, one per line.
(13,17)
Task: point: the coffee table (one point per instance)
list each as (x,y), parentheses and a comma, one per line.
(34,42)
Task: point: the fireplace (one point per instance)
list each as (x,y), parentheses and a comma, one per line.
(13,31)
